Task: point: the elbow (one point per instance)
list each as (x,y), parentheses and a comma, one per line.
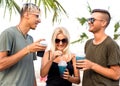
(42,74)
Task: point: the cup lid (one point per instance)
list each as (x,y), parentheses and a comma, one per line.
(44,43)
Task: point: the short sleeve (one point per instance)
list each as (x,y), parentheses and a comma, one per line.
(113,54)
(6,39)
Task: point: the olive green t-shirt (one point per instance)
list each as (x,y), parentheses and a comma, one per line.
(22,73)
(105,54)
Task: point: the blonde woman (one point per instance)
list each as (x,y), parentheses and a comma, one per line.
(59,51)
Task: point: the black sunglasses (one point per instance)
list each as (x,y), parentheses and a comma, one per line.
(91,20)
(65,40)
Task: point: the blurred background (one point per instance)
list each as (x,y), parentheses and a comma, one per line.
(71,14)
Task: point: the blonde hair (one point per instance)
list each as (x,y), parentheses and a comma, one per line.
(65,32)
(29,7)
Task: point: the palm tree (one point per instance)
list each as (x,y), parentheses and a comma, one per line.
(49,5)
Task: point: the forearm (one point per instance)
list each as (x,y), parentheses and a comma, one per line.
(107,72)
(45,69)
(7,61)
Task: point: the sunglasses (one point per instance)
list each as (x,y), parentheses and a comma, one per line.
(65,40)
(92,20)
(36,15)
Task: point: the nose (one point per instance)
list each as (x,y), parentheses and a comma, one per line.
(39,20)
(60,43)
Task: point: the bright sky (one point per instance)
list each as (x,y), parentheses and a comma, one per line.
(75,8)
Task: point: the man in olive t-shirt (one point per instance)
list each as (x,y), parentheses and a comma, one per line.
(102,64)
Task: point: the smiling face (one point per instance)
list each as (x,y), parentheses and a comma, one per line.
(99,20)
(34,19)
(30,13)
(61,42)
(96,25)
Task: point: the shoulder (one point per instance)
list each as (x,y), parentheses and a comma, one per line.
(9,31)
(89,41)
(109,41)
(72,55)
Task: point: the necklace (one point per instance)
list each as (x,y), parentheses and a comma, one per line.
(21,31)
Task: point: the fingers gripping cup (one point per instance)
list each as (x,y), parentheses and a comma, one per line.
(62,66)
(41,53)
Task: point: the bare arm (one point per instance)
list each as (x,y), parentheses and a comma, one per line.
(8,61)
(113,72)
(46,64)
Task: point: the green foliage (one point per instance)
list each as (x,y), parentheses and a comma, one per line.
(49,5)
(89,8)
(55,7)
(82,37)
(82,20)
(11,5)
(116,28)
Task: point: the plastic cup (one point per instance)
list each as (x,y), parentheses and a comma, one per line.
(41,53)
(43,43)
(79,58)
(62,66)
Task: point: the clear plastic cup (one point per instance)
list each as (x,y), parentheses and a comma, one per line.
(80,57)
(62,66)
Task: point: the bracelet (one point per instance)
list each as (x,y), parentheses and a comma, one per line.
(28,49)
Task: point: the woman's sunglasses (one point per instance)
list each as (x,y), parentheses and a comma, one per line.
(62,40)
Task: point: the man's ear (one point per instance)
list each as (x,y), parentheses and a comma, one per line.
(104,23)
(26,15)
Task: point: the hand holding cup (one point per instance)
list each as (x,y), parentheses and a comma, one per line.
(44,44)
